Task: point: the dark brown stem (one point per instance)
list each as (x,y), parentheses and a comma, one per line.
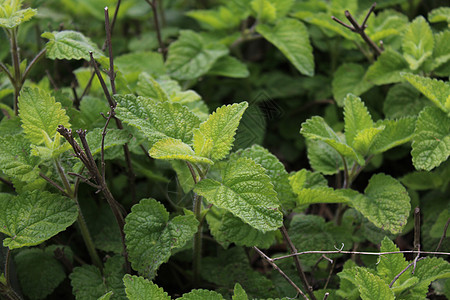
(417,228)
(57,186)
(301,274)
(444,234)
(403,271)
(154,5)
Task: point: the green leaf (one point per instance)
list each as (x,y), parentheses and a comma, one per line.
(39,272)
(114,137)
(323,195)
(139,288)
(317,129)
(138,62)
(429,270)
(418,42)
(239,293)
(40,115)
(349,78)
(431,144)
(356,117)
(391,265)
(214,138)
(441,52)
(372,287)
(283,7)
(170,149)
(245,191)
(403,100)
(106,296)
(12,16)
(263,10)
(217,19)
(422,180)
(150,236)
(157,120)
(33,217)
(385,203)
(292,39)
(440,14)
(149,87)
(323,158)
(436,90)
(305,179)
(229,66)
(69,45)
(202,294)
(437,230)
(365,139)
(191,56)
(387,68)
(395,133)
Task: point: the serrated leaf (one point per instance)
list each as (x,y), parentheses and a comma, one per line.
(239,293)
(365,139)
(12,16)
(263,10)
(437,230)
(171,149)
(292,39)
(395,133)
(323,158)
(436,90)
(150,236)
(441,52)
(139,288)
(391,265)
(372,287)
(428,270)
(418,42)
(387,68)
(202,294)
(157,121)
(305,179)
(214,138)
(149,87)
(385,203)
(431,144)
(39,272)
(403,100)
(349,78)
(114,137)
(68,44)
(33,217)
(229,66)
(317,129)
(191,56)
(356,118)
(87,282)
(40,115)
(245,191)
(440,14)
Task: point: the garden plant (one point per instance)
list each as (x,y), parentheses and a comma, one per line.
(224,149)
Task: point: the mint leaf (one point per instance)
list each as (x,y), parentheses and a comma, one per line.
(245,191)
(219,19)
(395,133)
(391,265)
(239,293)
(214,138)
(372,287)
(264,10)
(403,100)
(12,16)
(87,282)
(385,203)
(137,62)
(418,42)
(387,68)
(202,294)
(323,158)
(150,236)
(149,87)
(170,149)
(68,44)
(114,137)
(429,270)
(292,39)
(40,115)
(356,118)
(431,144)
(138,288)
(349,78)
(441,52)
(365,139)
(191,56)
(33,217)
(229,66)
(157,120)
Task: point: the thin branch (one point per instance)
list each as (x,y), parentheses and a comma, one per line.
(53,183)
(84,179)
(111,73)
(444,234)
(194,176)
(31,64)
(154,5)
(417,229)
(403,271)
(270,261)
(103,165)
(102,82)
(5,69)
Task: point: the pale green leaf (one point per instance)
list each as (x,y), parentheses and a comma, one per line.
(40,115)
(349,78)
(292,39)
(170,149)
(217,19)
(395,133)
(69,45)
(429,270)
(114,137)
(138,62)
(403,100)
(191,56)
(244,190)
(106,296)
(436,90)
(263,10)
(305,179)
(372,287)
(323,158)
(385,203)
(214,138)
(418,43)
(157,121)
(150,236)
(387,68)
(12,16)
(391,265)
(356,118)
(441,14)
(33,217)
(441,52)
(139,288)
(149,87)
(239,293)
(202,294)
(365,139)
(323,195)
(431,144)
(228,66)
(282,6)
(317,129)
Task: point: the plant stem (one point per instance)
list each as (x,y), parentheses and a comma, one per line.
(31,65)
(197,257)
(154,5)
(16,66)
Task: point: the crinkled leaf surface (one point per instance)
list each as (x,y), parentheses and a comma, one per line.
(391,265)
(40,115)
(441,52)
(395,133)
(364,139)
(149,87)
(385,203)
(431,144)
(372,287)
(191,56)
(12,16)
(387,68)
(245,191)
(33,217)
(418,42)
(403,100)
(214,138)
(323,158)
(202,294)
(429,270)
(170,149)
(139,288)
(157,120)
(349,78)
(150,236)
(69,45)
(356,118)
(114,137)
(292,39)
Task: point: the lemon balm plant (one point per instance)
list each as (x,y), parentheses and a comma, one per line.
(119,180)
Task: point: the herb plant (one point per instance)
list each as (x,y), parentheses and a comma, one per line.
(133,170)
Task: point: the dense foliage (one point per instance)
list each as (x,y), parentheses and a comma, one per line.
(224,149)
